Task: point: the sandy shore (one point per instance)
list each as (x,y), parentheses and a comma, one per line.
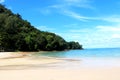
(22,67)
(61,74)
(21,60)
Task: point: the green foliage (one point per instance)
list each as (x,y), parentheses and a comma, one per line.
(17,34)
(74,45)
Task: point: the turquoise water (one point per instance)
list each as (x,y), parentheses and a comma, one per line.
(102,57)
(100,52)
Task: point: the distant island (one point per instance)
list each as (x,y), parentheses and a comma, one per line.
(17,34)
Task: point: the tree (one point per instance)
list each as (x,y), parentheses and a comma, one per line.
(17,34)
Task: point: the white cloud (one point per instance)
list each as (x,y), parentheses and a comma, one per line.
(78,3)
(65,7)
(99,36)
(72,3)
(75,15)
(1,1)
(111,18)
(109,28)
(116,36)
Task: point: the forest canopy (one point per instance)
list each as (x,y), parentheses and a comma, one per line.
(17,34)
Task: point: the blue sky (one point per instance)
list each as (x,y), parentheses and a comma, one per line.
(93,23)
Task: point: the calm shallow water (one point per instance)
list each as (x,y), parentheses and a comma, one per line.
(102,57)
(86,53)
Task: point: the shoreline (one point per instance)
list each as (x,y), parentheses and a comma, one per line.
(28,58)
(11,60)
(23,66)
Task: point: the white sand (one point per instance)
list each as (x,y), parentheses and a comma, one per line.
(9,59)
(29,68)
(61,74)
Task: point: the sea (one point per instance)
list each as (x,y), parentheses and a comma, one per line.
(85,53)
(97,57)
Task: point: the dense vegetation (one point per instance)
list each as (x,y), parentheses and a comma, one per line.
(17,34)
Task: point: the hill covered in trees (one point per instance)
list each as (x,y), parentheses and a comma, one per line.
(17,34)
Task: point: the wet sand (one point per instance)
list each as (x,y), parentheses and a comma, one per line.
(25,67)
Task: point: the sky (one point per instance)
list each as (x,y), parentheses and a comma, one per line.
(93,23)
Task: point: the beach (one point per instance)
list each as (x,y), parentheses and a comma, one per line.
(22,66)
(61,74)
